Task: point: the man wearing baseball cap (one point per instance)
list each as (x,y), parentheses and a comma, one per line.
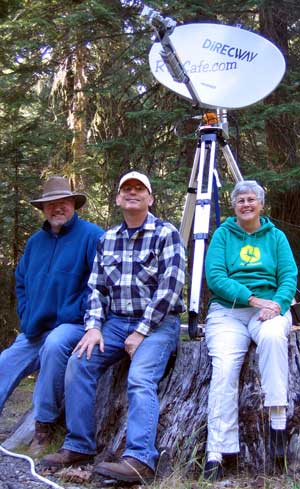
(133,309)
(51,288)
(135,175)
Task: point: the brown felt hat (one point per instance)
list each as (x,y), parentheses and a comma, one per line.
(56,188)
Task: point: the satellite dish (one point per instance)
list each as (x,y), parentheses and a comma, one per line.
(228,67)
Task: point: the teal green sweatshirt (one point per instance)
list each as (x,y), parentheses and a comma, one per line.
(239,264)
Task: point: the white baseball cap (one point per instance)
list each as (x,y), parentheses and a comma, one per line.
(135,175)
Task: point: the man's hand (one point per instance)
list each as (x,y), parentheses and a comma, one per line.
(268,309)
(91,338)
(132,342)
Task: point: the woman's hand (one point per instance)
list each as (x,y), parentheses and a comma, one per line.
(268,309)
(265,314)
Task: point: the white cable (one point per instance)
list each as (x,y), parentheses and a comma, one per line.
(32,468)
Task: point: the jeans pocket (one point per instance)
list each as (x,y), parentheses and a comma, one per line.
(215,310)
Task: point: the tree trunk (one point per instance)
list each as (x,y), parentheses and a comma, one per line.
(280,125)
(183,397)
(281,136)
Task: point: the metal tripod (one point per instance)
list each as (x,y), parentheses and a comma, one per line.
(204,174)
(197,208)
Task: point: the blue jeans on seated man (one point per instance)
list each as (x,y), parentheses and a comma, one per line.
(48,353)
(146,370)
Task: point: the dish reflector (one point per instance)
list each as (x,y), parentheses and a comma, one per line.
(228,67)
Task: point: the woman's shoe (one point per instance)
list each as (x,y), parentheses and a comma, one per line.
(278,446)
(213,471)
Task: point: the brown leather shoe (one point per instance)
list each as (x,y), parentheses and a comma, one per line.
(64,458)
(128,470)
(43,436)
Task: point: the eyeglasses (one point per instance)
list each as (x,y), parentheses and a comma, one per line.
(250,200)
(137,188)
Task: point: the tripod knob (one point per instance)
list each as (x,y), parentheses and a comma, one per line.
(210,118)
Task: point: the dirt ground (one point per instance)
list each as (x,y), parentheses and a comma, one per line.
(15,472)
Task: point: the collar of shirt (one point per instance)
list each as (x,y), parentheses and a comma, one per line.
(148,224)
(64,229)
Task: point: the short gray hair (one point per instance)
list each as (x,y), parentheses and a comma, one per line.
(246,186)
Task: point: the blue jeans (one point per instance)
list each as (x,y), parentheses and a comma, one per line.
(49,353)
(146,370)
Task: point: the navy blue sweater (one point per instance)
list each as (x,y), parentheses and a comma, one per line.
(52,275)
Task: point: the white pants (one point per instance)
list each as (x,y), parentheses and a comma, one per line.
(228,334)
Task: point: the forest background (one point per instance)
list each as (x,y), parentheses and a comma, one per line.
(77,98)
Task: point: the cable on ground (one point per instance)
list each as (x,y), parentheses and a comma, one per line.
(32,467)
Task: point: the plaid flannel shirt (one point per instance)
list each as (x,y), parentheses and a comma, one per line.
(142,276)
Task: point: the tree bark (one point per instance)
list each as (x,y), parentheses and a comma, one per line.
(183,395)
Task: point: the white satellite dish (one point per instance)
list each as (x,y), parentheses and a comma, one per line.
(228,67)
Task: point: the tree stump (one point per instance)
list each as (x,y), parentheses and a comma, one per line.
(183,395)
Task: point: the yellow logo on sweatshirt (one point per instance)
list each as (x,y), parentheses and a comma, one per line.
(250,254)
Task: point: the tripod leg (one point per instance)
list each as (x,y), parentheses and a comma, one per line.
(201,224)
(232,164)
(189,206)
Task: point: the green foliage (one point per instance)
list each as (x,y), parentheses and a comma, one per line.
(77,98)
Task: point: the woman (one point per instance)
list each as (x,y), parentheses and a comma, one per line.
(251,273)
